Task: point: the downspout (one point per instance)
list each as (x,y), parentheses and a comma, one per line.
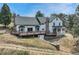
(14,27)
(14,18)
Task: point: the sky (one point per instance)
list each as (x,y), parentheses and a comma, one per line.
(30,9)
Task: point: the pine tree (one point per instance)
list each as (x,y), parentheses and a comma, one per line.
(5,15)
(39,14)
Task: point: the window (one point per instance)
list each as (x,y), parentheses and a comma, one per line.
(63,29)
(21,28)
(59,24)
(37,28)
(53,24)
(30,29)
(59,30)
(42,28)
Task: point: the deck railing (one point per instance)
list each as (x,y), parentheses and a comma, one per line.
(28,33)
(32,33)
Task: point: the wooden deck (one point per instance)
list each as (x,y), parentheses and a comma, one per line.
(50,34)
(28,33)
(33,33)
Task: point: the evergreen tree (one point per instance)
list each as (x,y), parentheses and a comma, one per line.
(77,10)
(39,14)
(5,15)
(71,23)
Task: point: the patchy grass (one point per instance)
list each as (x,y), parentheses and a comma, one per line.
(5,51)
(11,45)
(31,42)
(67,43)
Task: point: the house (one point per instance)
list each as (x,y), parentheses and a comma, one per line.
(26,26)
(52,27)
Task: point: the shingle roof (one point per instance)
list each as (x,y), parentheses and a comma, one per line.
(42,19)
(20,20)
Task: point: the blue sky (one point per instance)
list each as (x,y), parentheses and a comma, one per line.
(30,9)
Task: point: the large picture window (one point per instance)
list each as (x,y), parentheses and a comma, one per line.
(30,29)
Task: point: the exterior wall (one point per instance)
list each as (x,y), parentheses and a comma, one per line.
(42,27)
(50,27)
(17,28)
(25,29)
(55,22)
(41,37)
(62,32)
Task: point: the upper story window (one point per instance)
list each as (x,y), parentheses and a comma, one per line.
(53,24)
(59,24)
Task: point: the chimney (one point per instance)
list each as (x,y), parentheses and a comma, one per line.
(47,25)
(14,15)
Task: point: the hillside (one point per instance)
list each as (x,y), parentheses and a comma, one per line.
(10,44)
